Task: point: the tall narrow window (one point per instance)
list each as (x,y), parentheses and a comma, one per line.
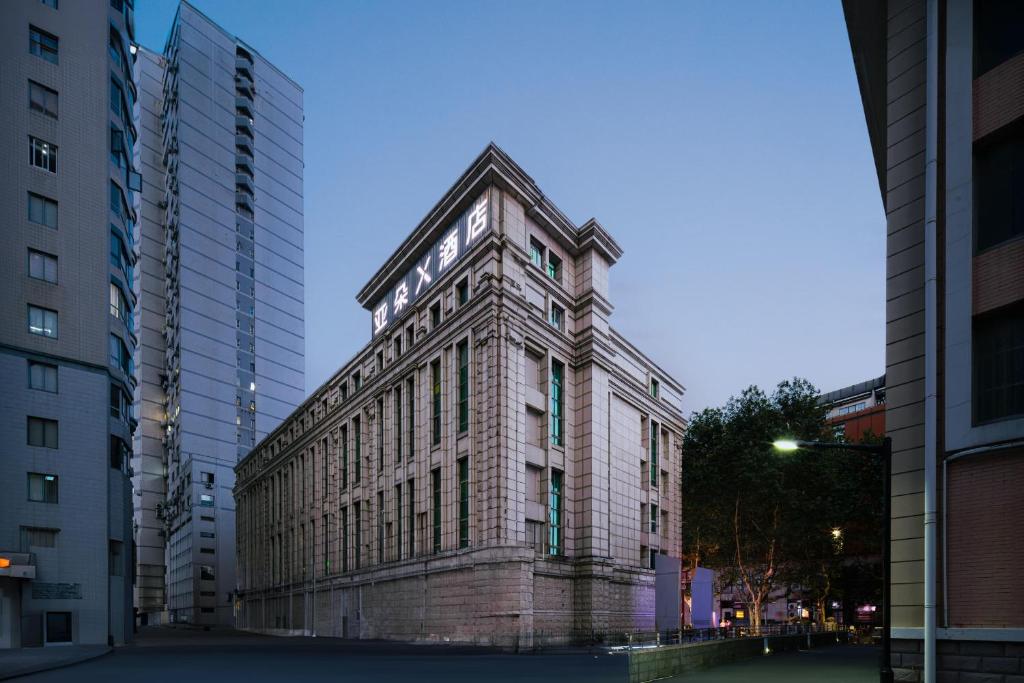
(358,454)
(536,253)
(398,521)
(411,495)
(344,456)
(42,154)
(344,539)
(655,387)
(462,292)
(554,267)
(557,403)
(463,467)
(357,521)
(654,453)
(555,514)
(435,483)
(435,380)
(380,436)
(380,527)
(397,423)
(999,365)
(435,315)
(410,391)
(654,518)
(557,318)
(463,356)
(42,44)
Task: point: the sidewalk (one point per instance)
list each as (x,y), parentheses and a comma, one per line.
(30,660)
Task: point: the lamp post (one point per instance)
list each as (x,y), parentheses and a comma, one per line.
(883,451)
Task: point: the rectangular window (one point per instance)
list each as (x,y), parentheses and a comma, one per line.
(435,381)
(398,521)
(42,154)
(344,539)
(58,627)
(36,537)
(344,456)
(555,515)
(463,467)
(380,361)
(115,552)
(207,534)
(653,463)
(397,423)
(205,500)
(119,305)
(654,519)
(997,34)
(463,357)
(42,210)
(380,527)
(50,3)
(435,483)
(207,573)
(557,318)
(410,337)
(999,190)
(435,315)
(42,99)
(999,365)
(42,321)
(116,200)
(557,403)
(42,266)
(554,267)
(119,356)
(462,291)
(116,96)
(655,387)
(536,253)
(412,516)
(42,376)
(410,391)
(357,521)
(396,347)
(42,488)
(380,436)
(42,44)
(358,451)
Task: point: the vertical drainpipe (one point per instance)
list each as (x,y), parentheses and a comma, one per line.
(930,334)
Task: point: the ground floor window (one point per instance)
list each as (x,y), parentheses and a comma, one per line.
(58,627)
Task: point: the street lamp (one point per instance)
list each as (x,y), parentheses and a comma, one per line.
(884,452)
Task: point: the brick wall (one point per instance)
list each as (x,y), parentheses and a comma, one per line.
(998,277)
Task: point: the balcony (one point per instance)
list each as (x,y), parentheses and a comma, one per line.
(243,123)
(243,106)
(244,85)
(243,145)
(243,183)
(244,204)
(243,66)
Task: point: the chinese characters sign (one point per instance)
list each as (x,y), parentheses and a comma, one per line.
(455,241)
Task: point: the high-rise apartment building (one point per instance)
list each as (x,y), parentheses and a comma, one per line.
(68,210)
(943,88)
(221,326)
(497,465)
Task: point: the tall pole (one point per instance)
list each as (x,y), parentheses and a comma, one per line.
(886,673)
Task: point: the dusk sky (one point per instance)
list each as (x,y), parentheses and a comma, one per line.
(722,144)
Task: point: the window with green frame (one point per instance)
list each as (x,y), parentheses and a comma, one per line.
(536,253)
(435,382)
(557,403)
(555,514)
(463,356)
(463,466)
(435,482)
(654,453)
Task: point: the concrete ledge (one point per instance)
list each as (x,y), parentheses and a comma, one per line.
(31,660)
(672,660)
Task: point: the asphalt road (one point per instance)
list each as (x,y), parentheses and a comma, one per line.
(166,655)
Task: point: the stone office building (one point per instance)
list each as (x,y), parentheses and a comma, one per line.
(496,466)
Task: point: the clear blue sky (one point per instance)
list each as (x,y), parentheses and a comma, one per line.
(723,144)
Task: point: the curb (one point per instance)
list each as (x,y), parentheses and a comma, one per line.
(38,668)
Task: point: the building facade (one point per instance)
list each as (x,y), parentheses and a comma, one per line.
(68,206)
(856,412)
(942,89)
(222,321)
(496,466)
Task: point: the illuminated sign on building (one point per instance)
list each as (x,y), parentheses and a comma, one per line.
(457,240)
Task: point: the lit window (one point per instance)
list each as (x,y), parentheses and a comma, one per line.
(42,266)
(42,99)
(42,44)
(42,376)
(42,321)
(205,500)
(42,210)
(42,432)
(42,154)
(42,488)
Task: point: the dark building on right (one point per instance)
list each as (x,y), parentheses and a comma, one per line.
(942,82)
